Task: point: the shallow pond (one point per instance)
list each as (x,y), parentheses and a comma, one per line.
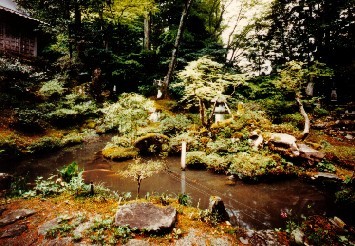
(255,206)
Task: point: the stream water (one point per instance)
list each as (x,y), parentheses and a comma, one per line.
(255,206)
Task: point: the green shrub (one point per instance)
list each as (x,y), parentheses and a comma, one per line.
(217,163)
(319,112)
(8,148)
(130,112)
(121,141)
(72,110)
(326,166)
(251,166)
(29,120)
(173,125)
(229,145)
(52,88)
(184,199)
(284,128)
(196,160)
(295,120)
(69,171)
(64,117)
(277,106)
(48,187)
(220,145)
(44,144)
(192,143)
(11,69)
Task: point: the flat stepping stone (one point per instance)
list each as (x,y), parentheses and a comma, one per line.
(146,217)
(16,215)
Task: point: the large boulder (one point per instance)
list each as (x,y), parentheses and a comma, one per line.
(146,217)
(284,143)
(217,208)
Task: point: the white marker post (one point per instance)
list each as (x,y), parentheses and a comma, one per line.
(183,155)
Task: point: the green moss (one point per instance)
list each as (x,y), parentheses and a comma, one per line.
(116,153)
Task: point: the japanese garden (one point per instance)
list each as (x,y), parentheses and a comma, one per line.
(177,122)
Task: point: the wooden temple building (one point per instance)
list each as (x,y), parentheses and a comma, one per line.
(18,31)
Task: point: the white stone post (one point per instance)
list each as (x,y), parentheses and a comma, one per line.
(183,155)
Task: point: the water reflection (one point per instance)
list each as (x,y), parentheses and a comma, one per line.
(253,206)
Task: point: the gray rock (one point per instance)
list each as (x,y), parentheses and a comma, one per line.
(14,231)
(324,175)
(42,230)
(284,143)
(256,139)
(310,154)
(16,215)
(216,206)
(146,216)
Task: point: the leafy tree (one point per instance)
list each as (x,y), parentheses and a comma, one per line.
(294,78)
(313,30)
(204,80)
(139,170)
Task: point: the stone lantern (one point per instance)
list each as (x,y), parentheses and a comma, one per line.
(220,108)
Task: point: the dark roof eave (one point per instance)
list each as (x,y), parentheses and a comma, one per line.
(21,14)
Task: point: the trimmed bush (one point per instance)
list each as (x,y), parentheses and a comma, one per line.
(196,160)
(217,163)
(29,120)
(251,166)
(51,89)
(44,144)
(175,143)
(173,125)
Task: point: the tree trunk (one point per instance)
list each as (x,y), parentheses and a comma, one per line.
(307,123)
(202,112)
(138,187)
(147,31)
(172,63)
(77,26)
